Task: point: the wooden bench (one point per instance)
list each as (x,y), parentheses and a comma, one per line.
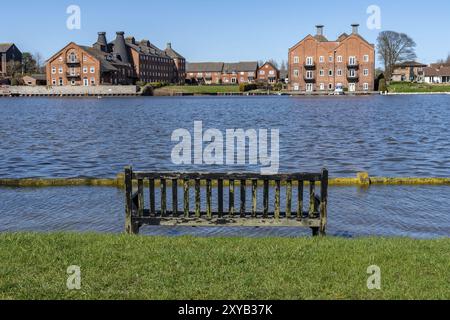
(139,213)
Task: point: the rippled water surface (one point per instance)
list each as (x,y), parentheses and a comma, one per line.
(390,136)
(387,136)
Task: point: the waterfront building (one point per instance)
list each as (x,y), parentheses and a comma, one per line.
(268,73)
(221,72)
(35,80)
(123,61)
(317,64)
(437,73)
(409,71)
(9,53)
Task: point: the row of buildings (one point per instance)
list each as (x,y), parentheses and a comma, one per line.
(315,63)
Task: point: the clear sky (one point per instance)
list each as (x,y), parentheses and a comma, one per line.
(231,30)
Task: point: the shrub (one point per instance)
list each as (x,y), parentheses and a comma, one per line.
(382,85)
(245,87)
(147,90)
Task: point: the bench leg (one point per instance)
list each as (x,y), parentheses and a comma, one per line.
(315,232)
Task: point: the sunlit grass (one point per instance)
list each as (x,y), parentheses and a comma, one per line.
(33,266)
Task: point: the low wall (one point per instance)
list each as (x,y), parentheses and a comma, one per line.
(69,90)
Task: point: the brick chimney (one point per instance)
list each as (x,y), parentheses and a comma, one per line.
(120,47)
(319,28)
(101,43)
(355,27)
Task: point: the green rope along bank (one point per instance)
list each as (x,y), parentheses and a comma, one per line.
(362,179)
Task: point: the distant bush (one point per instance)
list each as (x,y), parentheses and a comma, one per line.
(245,87)
(147,90)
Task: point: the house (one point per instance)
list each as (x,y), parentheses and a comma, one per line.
(35,80)
(9,53)
(123,61)
(409,71)
(221,72)
(268,73)
(317,64)
(240,72)
(437,73)
(204,72)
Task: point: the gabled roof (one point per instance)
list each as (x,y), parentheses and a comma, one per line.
(172,53)
(410,64)
(245,66)
(270,64)
(436,72)
(4,47)
(204,67)
(107,60)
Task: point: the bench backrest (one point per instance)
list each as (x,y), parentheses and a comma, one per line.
(247,184)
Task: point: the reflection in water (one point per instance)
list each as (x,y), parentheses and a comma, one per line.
(378,211)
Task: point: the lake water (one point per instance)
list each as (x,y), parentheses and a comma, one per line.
(387,136)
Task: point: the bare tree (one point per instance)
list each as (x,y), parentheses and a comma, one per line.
(39,59)
(394,48)
(274,62)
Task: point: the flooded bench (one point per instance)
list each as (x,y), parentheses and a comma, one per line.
(198,199)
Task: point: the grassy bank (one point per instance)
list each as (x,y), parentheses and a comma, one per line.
(404,87)
(120,267)
(170,90)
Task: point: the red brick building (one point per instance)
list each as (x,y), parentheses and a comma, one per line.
(268,73)
(319,65)
(222,73)
(121,62)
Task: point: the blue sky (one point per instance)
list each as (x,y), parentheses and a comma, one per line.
(232,30)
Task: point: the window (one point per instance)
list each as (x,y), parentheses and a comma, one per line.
(296,87)
(339,59)
(61,82)
(330,86)
(72,82)
(54,81)
(84,58)
(321,59)
(54,70)
(309,75)
(86,82)
(352,73)
(322,86)
(330,73)
(61,70)
(330,58)
(309,61)
(296,73)
(242,73)
(61,59)
(72,57)
(85,70)
(271,72)
(339,72)
(352,61)
(93,81)
(296,59)
(309,87)
(233,80)
(92,69)
(366,72)
(366,86)
(366,58)
(262,72)
(322,72)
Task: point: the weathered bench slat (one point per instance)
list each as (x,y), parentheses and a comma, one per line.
(175,196)
(312,200)
(186,198)
(289,198)
(228,176)
(266,198)
(300,199)
(209,199)
(220,196)
(152,196)
(163,197)
(277,199)
(231,198)
(197,199)
(141,204)
(254,197)
(243,196)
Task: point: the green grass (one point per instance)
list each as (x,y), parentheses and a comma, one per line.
(405,87)
(212,89)
(33,266)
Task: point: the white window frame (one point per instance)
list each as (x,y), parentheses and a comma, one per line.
(339,59)
(296,73)
(366,86)
(366,72)
(322,73)
(366,58)
(330,72)
(92,70)
(321,59)
(339,72)
(85,69)
(309,87)
(309,74)
(296,59)
(60,70)
(53,70)
(309,61)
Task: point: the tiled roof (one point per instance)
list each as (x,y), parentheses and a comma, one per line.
(204,67)
(240,67)
(172,53)
(436,72)
(410,64)
(107,60)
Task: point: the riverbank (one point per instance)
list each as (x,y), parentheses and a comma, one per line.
(33,266)
(418,88)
